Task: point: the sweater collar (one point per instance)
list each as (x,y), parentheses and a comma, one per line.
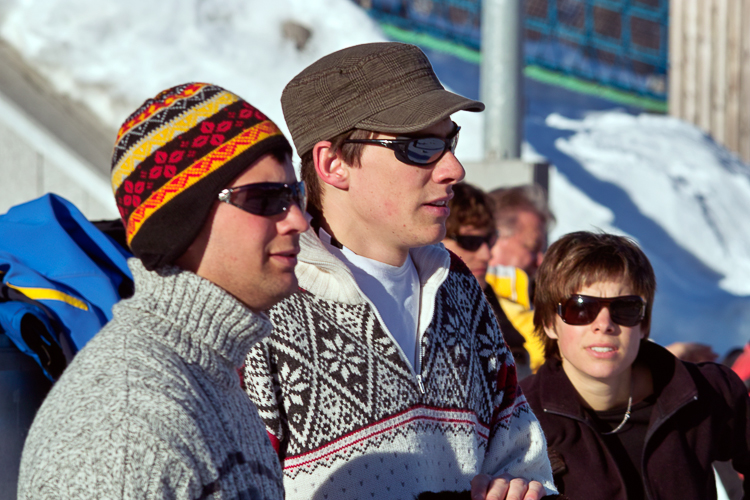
(324,275)
(205,323)
(672,382)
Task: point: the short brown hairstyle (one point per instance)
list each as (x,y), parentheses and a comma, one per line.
(508,201)
(469,206)
(581,259)
(350,153)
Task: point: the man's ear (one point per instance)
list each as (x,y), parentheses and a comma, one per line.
(330,167)
(550,331)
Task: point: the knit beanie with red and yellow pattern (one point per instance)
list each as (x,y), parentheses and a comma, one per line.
(174,155)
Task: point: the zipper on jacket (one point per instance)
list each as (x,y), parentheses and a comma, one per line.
(417,370)
(418,359)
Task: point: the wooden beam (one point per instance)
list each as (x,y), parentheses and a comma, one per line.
(734,74)
(719,73)
(705,64)
(745,85)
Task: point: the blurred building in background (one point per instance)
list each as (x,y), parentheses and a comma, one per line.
(690,58)
(615,48)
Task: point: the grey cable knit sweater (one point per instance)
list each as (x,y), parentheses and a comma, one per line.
(152,406)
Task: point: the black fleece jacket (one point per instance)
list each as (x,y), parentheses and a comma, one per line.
(701,415)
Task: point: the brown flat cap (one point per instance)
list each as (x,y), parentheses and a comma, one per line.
(384,87)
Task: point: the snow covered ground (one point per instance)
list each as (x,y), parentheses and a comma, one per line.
(661,181)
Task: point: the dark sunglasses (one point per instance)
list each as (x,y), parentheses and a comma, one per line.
(474,243)
(627,310)
(266,198)
(416,151)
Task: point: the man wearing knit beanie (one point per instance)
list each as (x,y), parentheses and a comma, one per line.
(386,375)
(152,407)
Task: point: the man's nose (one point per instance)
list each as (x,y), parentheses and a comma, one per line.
(448,170)
(295,220)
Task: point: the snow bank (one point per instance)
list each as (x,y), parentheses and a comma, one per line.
(112,55)
(678,177)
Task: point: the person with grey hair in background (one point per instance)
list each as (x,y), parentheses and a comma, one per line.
(522,217)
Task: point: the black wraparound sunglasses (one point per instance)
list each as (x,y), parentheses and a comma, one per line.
(627,310)
(416,151)
(266,198)
(472,243)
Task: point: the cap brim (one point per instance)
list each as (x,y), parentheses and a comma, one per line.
(421,112)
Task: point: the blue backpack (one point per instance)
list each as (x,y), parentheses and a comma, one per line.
(59,278)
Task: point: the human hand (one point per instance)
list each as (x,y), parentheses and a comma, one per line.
(692,352)
(484,487)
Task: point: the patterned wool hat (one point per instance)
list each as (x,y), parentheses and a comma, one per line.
(385,87)
(174,155)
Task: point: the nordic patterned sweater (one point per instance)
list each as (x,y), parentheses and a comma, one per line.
(350,417)
(152,407)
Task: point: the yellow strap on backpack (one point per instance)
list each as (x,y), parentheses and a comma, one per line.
(49,294)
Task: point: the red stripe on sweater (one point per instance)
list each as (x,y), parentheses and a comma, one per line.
(483,435)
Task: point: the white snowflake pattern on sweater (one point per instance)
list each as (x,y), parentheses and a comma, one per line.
(345,409)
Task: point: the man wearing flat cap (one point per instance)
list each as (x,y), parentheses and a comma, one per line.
(152,406)
(386,375)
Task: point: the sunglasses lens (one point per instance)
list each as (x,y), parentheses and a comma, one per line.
(262,203)
(580,310)
(470,243)
(627,311)
(301,196)
(269,198)
(454,142)
(583,310)
(425,150)
(492,239)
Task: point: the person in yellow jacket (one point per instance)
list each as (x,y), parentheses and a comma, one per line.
(522,218)
(511,287)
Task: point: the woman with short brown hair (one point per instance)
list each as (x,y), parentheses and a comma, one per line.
(624,419)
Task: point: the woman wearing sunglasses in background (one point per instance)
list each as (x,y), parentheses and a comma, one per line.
(470,233)
(624,418)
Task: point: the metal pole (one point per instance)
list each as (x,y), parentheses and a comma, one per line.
(500,78)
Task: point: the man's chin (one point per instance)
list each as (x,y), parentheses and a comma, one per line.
(290,286)
(275,292)
(435,235)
